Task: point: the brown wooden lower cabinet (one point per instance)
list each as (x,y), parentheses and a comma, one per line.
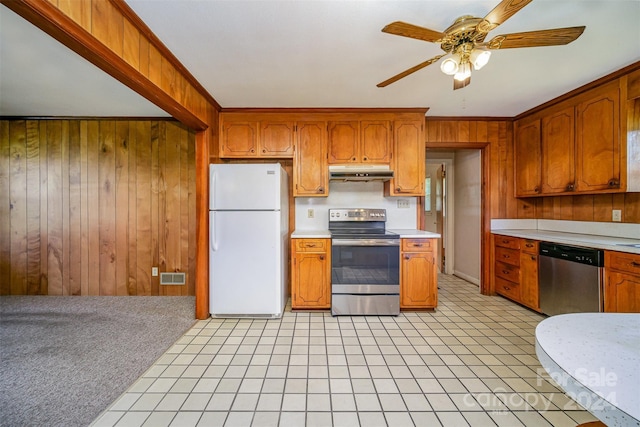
(418,274)
(622,282)
(516,269)
(310,273)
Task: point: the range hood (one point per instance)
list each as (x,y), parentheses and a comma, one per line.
(360,173)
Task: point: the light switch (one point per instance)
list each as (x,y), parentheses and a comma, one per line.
(310,213)
(154,271)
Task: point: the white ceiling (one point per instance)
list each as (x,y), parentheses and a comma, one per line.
(330,53)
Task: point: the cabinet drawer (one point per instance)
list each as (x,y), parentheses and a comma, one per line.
(508,289)
(508,256)
(529,246)
(621,261)
(507,242)
(507,272)
(417,245)
(311,245)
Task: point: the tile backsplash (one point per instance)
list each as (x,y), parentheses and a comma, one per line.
(354,195)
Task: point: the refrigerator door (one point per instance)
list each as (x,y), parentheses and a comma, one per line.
(246,275)
(244,186)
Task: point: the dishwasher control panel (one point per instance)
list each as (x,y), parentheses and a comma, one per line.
(588,256)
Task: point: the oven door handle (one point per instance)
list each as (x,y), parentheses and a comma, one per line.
(365,242)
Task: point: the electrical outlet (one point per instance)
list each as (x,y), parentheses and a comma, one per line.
(310,213)
(616,215)
(403,203)
(154,271)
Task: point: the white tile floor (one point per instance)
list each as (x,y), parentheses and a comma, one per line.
(469,363)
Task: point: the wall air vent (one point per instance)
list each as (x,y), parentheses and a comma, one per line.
(173,278)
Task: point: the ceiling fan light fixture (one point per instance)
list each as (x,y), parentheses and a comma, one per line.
(464,72)
(479,58)
(450,65)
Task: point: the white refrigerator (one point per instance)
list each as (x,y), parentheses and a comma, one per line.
(248,240)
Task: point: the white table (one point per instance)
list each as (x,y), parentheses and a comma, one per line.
(595,358)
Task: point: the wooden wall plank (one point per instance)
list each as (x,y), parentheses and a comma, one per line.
(44,200)
(143,206)
(191,273)
(18,206)
(33,207)
(171,228)
(122,207)
(632,208)
(158,159)
(54,207)
(132,273)
(93,207)
(107,208)
(64,183)
(583,208)
(75,209)
(5,211)
(79,11)
(84,208)
(184,207)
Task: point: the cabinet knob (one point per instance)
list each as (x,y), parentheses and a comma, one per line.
(533,258)
(614,183)
(365,159)
(506,288)
(529,245)
(353,158)
(569,187)
(321,257)
(418,245)
(264,151)
(505,271)
(536,189)
(635,264)
(321,190)
(406,257)
(253,151)
(398,189)
(506,256)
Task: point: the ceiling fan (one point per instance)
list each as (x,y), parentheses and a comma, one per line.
(463,42)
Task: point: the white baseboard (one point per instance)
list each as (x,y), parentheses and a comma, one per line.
(466,277)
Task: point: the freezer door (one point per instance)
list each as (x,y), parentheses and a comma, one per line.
(244,186)
(246,277)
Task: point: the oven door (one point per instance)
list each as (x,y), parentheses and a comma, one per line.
(365,276)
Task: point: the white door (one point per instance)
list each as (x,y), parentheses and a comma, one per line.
(245,272)
(244,186)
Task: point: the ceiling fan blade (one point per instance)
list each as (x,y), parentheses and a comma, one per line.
(557,36)
(503,11)
(412,31)
(409,71)
(457,84)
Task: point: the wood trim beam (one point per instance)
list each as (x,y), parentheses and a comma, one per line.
(52,21)
(129,14)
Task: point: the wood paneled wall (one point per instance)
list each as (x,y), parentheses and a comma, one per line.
(503,203)
(88,207)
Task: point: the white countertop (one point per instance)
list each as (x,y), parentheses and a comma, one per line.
(595,358)
(576,239)
(404,233)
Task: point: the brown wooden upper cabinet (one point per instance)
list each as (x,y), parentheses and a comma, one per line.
(256,139)
(310,169)
(360,141)
(576,146)
(408,160)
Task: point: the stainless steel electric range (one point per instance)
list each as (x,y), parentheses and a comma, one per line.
(365,260)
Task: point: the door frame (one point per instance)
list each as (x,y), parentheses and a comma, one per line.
(486,287)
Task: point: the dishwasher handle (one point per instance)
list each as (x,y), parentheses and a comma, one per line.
(581,255)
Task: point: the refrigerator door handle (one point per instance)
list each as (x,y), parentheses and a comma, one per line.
(212,232)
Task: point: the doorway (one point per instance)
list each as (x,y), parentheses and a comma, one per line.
(453,208)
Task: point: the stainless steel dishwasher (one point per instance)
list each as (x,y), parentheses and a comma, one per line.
(570,279)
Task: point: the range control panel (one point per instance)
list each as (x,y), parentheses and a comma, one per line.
(357,215)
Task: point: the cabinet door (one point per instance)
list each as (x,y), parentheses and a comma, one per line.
(598,141)
(310,280)
(558,152)
(276,139)
(408,159)
(344,140)
(418,284)
(529,280)
(622,292)
(375,137)
(310,174)
(239,139)
(527,159)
